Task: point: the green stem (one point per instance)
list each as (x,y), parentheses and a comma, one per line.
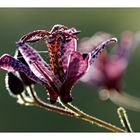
(91,119)
(124,119)
(71,111)
(44,105)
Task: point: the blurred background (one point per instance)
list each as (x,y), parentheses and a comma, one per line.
(15,22)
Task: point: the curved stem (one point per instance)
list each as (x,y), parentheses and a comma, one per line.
(124,119)
(44,105)
(91,119)
(71,111)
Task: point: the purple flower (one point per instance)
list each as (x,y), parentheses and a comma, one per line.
(107,71)
(67,65)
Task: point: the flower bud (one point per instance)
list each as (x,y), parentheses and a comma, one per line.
(13,84)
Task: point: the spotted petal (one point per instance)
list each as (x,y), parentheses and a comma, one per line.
(88,44)
(37,64)
(77,66)
(24,78)
(95,74)
(9,63)
(100,48)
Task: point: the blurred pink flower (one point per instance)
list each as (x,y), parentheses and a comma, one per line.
(108,70)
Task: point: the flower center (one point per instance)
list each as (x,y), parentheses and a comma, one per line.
(54,48)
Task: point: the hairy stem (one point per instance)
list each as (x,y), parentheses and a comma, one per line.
(91,119)
(124,119)
(69,110)
(44,105)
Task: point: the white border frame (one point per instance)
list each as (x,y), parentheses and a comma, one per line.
(70,3)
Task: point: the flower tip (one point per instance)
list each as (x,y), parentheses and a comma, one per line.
(4,59)
(114,39)
(4,55)
(76,32)
(19,43)
(121,109)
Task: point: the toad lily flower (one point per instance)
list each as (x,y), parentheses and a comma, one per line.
(107,71)
(67,65)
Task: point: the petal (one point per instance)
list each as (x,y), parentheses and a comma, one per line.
(66,50)
(34,36)
(38,66)
(9,63)
(94,76)
(77,66)
(89,44)
(24,78)
(100,48)
(96,73)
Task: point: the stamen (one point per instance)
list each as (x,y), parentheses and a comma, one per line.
(55,58)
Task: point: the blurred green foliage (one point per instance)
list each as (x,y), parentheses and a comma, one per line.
(14,22)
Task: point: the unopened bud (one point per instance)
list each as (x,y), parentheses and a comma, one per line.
(13,84)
